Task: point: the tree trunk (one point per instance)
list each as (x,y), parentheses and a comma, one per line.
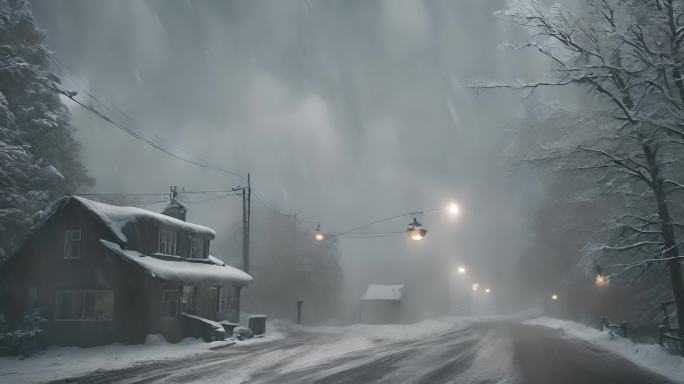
(672,251)
(668,235)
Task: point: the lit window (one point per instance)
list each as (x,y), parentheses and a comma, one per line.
(187,302)
(84,305)
(197,248)
(72,244)
(169,304)
(167,242)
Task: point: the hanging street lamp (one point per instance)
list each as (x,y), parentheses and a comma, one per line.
(415,232)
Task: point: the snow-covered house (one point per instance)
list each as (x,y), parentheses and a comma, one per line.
(102,273)
(381,304)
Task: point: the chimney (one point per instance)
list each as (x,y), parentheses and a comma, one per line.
(175,209)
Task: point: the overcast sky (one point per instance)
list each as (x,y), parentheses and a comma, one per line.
(343,111)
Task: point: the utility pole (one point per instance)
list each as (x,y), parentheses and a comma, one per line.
(246,194)
(245,245)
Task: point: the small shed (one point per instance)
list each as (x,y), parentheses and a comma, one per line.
(381,304)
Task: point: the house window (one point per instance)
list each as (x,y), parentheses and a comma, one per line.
(187,302)
(224,299)
(169,303)
(84,305)
(197,248)
(72,244)
(167,242)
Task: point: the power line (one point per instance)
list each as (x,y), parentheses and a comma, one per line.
(120,194)
(211,199)
(186,158)
(145,140)
(148,194)
(378,222)
(141,138)
(80,84)
(261,200)
(372,235)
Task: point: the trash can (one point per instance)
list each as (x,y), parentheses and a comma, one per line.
(257,323)
(228,326)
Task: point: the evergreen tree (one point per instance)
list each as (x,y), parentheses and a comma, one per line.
(39,157)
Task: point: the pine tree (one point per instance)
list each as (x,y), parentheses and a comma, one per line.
(39,157)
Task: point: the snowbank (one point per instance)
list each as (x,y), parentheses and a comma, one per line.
(650,356)
(65,362)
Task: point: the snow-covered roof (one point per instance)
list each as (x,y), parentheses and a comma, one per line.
(205,273)
(212,323)
(383,292)
(116,217)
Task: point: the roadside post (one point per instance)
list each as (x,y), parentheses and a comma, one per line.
(299,311)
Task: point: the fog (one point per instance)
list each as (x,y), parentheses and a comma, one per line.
(344,112)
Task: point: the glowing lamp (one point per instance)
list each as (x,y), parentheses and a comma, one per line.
(318,236)
(601,280)
(415,232)
(453,209)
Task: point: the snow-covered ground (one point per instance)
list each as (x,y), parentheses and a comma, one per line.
(357,337)
(63,362)
(650,356)
(394,332)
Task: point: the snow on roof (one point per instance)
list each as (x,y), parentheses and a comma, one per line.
(116,217)
(216,260)
(182,270)
(383,292)
(212,323)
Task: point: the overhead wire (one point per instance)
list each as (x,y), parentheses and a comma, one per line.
(149,194)
(211,199)
(112,108)
(140,137)
(378,222)
(79,83)
(370,235)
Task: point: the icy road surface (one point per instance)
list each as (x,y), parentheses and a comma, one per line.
(482,352)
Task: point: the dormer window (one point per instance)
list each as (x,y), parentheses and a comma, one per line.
(72,244)
(167,241)
(197,247)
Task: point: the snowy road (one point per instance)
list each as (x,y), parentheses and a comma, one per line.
(483,352)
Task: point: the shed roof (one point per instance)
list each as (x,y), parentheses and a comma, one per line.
(205,272)
(383,292)
(116,217)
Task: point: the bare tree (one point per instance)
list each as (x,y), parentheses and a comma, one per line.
(628,53)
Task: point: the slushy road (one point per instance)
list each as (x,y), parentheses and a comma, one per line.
(486,352)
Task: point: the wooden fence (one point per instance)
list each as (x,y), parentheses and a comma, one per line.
(619,329)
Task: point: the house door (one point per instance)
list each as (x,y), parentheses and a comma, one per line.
(209,304)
